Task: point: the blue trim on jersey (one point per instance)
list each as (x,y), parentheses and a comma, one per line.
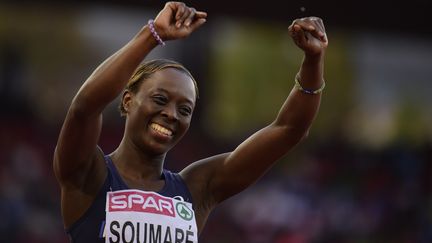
(102,228)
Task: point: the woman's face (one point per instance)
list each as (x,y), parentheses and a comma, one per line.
(159,114)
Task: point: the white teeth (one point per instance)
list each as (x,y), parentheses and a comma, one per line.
(161,129)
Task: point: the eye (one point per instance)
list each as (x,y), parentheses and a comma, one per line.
(185,110)
(160,99)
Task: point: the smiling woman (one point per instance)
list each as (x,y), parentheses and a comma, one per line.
(128,196)
(160,96)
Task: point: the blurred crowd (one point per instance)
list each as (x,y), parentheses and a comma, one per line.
(328,191)
(337,192)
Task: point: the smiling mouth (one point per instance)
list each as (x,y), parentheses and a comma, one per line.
(161,130)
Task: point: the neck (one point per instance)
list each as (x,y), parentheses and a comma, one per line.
(134,163)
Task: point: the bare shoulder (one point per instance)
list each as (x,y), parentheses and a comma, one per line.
(79,193)
(199,174)
(198,177)
(87,176)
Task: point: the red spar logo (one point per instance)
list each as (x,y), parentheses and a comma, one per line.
(139,201)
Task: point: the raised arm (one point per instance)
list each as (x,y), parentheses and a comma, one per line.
(224,175)
(76,156)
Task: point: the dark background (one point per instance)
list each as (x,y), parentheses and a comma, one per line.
(400,16)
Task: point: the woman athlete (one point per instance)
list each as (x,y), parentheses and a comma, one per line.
(128,196)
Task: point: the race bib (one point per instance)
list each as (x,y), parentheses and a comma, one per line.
(148,217)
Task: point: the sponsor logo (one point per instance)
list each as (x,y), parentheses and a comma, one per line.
(183,211)
(140,201)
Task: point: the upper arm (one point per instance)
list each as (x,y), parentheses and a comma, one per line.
(216,178)
(252,158)
(76,154)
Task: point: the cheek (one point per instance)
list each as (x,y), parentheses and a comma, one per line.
(145,107)
(139,114)
(185,124)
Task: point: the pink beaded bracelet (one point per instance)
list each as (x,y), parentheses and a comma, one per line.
(154,33)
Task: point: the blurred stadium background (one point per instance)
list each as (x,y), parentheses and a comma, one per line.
(363,175)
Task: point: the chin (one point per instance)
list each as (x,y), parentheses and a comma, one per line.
(157,148)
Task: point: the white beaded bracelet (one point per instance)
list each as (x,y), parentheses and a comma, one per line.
(308,91)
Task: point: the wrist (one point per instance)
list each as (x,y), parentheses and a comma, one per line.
(145,38)
(314,58)
(154,32)
(310,91)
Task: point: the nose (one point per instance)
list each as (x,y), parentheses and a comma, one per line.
(170,112)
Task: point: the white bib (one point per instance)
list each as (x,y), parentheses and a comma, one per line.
(148,217)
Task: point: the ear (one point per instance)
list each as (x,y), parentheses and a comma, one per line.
(127,100)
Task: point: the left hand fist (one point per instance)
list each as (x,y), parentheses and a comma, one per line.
(309,35)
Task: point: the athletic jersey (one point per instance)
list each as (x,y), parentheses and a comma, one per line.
(133,215)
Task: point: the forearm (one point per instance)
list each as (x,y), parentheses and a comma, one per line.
(311,73)
(110,77)
(262,149)
(300,109)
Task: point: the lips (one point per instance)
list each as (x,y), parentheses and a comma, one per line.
(161,130)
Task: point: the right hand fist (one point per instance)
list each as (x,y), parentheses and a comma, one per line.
(176,20)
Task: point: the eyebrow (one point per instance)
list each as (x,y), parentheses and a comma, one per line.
(166,91)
